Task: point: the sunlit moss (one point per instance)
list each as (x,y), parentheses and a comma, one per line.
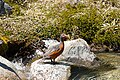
(49,19)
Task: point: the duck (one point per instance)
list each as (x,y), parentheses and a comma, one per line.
(54,51)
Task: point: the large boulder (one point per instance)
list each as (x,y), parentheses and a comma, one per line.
(78,53)
(49,71)
(8,70)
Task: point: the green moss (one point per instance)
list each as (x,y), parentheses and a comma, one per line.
(77,21)
(48,20)
(109,36)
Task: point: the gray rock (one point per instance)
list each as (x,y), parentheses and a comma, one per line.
(72,2)
(49,42)
(78,53)
(7,63)
(8,70)
(8,8)
(5,8)
(2,9)
(48,71)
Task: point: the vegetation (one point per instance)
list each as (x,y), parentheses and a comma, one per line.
(93,20)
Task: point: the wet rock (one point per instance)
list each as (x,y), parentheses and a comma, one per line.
(49,71)
(8,70)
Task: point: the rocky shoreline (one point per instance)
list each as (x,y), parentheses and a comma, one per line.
(108,65)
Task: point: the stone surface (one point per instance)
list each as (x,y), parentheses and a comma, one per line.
(2,9)
(49,42)
(5,8)
(49,71)
(8,8)
(7,75)
(7,63)
(8,70)
(78,53)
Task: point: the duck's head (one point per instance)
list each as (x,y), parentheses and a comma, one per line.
(64,37)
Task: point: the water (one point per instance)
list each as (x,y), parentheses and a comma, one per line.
(109,69)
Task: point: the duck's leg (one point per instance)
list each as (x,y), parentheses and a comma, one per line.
(53,61)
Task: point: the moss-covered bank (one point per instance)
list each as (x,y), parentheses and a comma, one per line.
(95,21)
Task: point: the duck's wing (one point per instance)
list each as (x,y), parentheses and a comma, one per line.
(51,48)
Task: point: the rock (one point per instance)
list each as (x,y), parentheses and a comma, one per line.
(8,70)
(2,9)
(38,52)
(8,8)
(48,71)
(78,53)
(7,63)
(72,2)
(5,8)
(49,42)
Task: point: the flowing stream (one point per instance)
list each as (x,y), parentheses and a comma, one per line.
(109,69)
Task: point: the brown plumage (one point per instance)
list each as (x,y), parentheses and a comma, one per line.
(54,51)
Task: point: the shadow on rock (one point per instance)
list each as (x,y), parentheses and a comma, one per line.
(58,63)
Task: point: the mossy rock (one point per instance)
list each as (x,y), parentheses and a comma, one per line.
(3,45)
